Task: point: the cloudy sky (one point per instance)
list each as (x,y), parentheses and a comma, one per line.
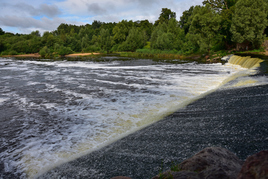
(25,16)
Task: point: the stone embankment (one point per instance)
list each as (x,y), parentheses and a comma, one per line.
(215,162)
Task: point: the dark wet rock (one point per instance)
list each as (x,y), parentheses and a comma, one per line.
(210,163)
(255,167)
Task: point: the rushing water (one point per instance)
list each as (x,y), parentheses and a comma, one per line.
(54,112)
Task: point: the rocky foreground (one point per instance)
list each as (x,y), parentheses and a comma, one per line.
(216,162)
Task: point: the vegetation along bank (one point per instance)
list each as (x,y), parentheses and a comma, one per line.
(217,27)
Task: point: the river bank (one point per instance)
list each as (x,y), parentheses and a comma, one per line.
(202,58)
(37,55)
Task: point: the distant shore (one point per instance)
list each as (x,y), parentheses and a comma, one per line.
(37,55)
(216,57)
(81,54)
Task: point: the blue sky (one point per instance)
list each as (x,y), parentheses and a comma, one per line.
(25,16)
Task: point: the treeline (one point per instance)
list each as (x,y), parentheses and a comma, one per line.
(217,25)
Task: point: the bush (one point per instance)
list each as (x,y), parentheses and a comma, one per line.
(45,52)
(4,53)
(92,48)
(12,52)
(115,48)
(64,51)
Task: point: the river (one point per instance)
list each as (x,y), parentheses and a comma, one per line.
(53,112)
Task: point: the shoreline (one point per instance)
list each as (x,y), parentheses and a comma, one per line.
(213,58)
(37,55)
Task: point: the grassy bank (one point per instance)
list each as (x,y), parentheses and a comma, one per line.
(166,54)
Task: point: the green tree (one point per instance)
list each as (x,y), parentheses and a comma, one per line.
(105,40)
(146,27)
(120,31)
(266,29)
(2,32)
(157,32)
(176,33)
(85,42)
(2,46)
(219,5)
(205,25)
(73,43)
(96,24)
(190,45)
(35,34)
(225,8)
(249,22)
(165,15)
(164,41)
(62,51)
(45,52)
(216,4)
(185,19)
(134,41)
(227,16)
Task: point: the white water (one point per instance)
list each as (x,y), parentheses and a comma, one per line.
(99,103)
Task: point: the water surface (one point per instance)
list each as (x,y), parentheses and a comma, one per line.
(54,112)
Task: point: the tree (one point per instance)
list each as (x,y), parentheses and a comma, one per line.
(157,32)
(185,19)
(45,52)
(177,34)
(84,42)
(62,51)
(120,31)
(2,46)
(165,16)
(226,22)
(134,41)
(96,24)
(220,5)
(205,25)
(35,34)
(249,23)
(266,29)
(105,40)
(146,28)
(216,4)
(2,32)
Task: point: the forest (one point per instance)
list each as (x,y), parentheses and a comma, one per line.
(217,25)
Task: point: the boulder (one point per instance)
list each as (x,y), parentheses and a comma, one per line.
(255,167)
(210,163)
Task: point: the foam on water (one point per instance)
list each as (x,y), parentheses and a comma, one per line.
(68,109)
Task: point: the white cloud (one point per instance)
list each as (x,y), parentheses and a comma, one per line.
(29,23)
(51,13)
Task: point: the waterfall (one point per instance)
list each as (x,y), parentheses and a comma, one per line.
(245,62)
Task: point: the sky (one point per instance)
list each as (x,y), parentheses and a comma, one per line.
(25,16)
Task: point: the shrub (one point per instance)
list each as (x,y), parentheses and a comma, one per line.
(12,52)
(64,51)
(45,52)
(92,48)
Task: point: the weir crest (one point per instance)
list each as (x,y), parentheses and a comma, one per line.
(245,62)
